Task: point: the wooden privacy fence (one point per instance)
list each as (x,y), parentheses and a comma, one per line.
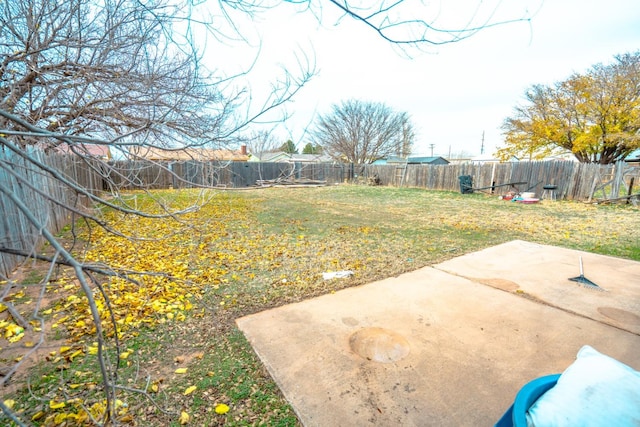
(46,198)
(156,175)
(574,181)
(45,183)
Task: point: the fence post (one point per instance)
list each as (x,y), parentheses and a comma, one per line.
(618,179)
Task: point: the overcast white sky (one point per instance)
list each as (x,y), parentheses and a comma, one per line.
(454,92)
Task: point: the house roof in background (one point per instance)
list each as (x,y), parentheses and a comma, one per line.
(313,158)
(90,150)
(186,154)
(270,156)
(281,156)
(634,156)
(427,160)
(411,160)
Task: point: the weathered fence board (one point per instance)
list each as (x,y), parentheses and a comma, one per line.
(46,198)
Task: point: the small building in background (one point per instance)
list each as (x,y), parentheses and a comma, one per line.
(397,160)
(634,157)
(270,157)
(427,161)
(282,157)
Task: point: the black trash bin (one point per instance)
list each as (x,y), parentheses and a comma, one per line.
(466,184)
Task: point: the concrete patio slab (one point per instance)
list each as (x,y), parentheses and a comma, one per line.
(544,271)
(433,347)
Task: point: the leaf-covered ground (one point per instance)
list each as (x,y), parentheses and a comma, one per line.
(243,252)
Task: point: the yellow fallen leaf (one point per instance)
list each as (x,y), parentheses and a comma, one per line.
(154,387)
(56,405)
(64,349)
(16,338)
(37,416)
(124,355)
(75,354)
(190,390)
(181,371)
(184,418)
(221,409)
(12,329)
(10,402)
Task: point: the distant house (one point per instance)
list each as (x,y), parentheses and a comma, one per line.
(186,154)
(391,160)
(397,160)
(97,151)
(270,157)
(282,157)
(311,158)
(427,161)
(460,160)
(634,157)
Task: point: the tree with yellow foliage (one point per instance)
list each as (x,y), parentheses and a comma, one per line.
(595,116)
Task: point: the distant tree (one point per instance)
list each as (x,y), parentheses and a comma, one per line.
(289,147)
(312,149)
(260,143)
(595,116)
(362,132)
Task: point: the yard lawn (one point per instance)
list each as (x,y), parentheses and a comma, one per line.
(246,251)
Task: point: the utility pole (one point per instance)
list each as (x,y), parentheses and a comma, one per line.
(431,146)
(482,145)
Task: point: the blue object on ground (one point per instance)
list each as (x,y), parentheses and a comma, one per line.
(528,394)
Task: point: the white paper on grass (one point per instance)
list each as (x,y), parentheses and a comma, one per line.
(337,274)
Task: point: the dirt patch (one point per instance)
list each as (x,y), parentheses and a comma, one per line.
(503,284)
(25,298)
(620,315)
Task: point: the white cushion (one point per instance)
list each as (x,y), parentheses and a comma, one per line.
(596,390)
